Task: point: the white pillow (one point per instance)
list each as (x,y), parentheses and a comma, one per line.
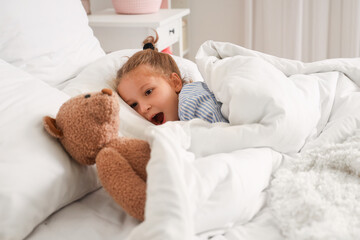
(101,74)
(37,177)
(49,39)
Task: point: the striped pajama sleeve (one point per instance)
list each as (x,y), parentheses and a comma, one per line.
(197,101)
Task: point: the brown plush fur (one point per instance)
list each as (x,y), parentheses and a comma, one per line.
(87,127)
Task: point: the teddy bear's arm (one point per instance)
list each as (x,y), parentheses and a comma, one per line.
(121,181)
(135,151)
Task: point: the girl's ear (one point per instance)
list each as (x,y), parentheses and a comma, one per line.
(176,82)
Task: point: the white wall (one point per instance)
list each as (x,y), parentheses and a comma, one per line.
(97,5)
(218,20)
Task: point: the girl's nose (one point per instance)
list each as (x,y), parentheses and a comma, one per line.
(144,107)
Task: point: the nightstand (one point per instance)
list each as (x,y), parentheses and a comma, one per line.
(118,31)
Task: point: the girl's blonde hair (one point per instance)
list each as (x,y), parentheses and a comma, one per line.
(163,63)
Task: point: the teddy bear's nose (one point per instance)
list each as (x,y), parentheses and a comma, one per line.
(107,91)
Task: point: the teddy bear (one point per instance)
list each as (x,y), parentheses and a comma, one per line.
(87,127)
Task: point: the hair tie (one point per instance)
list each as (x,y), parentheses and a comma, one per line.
(149,45)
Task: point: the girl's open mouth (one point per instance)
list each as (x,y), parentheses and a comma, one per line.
(158,119)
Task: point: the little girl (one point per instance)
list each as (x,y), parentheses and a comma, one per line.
(150,82)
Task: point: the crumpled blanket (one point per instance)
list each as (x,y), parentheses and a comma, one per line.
(205,178)
(269,101)
(316,196)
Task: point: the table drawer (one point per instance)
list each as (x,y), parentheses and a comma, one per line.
(168,34)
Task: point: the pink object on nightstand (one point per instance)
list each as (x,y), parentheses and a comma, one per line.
(136,6)
(167,50)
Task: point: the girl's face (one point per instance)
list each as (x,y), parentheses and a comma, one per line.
(153,95)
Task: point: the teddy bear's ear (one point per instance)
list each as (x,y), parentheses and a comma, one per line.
(51,127)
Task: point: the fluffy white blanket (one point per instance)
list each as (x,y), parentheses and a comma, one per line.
(316,196)
(208,177)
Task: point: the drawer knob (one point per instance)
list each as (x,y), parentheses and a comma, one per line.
(172,31)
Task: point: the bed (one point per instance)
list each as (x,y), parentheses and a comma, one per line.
(286,167)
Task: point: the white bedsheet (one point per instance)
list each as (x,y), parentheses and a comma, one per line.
(96,216)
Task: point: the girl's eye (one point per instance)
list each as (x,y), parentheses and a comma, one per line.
(148,92)
(133,105)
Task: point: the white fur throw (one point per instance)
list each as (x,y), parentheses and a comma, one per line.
(317,196)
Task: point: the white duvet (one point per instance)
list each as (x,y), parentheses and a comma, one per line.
(209,179)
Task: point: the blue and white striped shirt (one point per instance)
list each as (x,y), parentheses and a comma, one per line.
(197,101)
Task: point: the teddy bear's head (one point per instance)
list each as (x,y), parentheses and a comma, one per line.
(85,124)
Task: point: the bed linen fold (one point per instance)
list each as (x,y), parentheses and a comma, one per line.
(188,196)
